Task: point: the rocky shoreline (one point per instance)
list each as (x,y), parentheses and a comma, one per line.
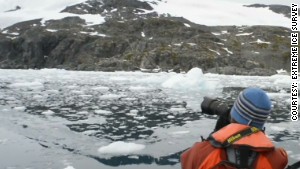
(132,39)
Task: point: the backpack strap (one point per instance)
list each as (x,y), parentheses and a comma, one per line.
(242,157)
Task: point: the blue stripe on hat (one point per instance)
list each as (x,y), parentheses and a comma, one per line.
(245,107)
(252,107)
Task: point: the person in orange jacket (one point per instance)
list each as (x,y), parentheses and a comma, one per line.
(242,143)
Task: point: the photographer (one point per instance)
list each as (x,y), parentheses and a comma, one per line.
(238,140)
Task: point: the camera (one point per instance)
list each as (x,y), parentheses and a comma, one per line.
(214,106)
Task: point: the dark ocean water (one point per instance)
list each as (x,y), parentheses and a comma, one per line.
(59,119)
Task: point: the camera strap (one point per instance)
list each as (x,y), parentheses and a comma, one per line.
(240,135)
(234,138)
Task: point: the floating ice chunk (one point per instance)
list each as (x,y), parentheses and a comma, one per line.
(138,88)
(143,136)
(170,117)
(177,109)
(270,136)
(180,132)
(70,167)
(103,112)
(173,160)
(193,80)
(295,156)
(85,96)
(134,157)
(111,96)
(129,99)
(121,147)
(5,110)
(52,91)
(140,118)
(29,85)
(100,88)
(277,128)
(122,127)
(96,107)
(140,127)
(65,109)
(71,87)
(132,113)
(83,112)
(163,113)
(21,108)
(89,132)
(77,92)
(48,113)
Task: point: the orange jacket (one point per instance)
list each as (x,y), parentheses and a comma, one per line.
(204,155)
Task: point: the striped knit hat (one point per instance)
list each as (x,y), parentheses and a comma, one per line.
(252,107)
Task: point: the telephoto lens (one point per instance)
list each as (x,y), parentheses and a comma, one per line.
(213,106)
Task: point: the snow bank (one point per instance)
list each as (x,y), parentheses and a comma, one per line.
(214,12)
(35,9)
(220,12)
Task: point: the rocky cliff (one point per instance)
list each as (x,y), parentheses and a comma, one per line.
(133,38)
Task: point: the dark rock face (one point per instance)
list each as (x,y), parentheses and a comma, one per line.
(280,9)
(16,8)
(131,38)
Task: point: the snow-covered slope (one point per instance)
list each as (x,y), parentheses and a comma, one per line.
(214,12)
(220,12)
(35,9)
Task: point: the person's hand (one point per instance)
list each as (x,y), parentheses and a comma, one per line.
(223,120)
